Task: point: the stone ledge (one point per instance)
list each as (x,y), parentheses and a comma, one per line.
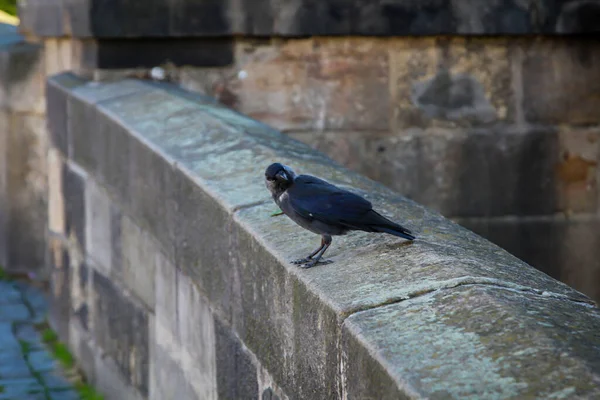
(190,172)
(177,18)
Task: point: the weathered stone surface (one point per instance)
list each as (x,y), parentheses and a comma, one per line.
(4,204)
(58,57)
(83,350)
(22,77)
(60,291)
(168,379)
(236,374)
(26,192)
(74,182)
(140,257)
(80,294)
(561,80)
(121,330)
(509,344)
(312,84)
(184,335)
(56,197)
(98,226)
(111,383)
(196,327)
(209,186)
(450,82)
(56,106)
(565,248)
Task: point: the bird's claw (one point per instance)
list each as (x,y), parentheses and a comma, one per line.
(309,263)
(302,261)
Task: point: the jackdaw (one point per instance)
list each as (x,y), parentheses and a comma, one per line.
(324,209)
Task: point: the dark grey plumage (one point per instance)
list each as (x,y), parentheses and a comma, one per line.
(324,209)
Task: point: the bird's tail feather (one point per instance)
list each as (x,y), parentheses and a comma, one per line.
(379,223)
(402,232)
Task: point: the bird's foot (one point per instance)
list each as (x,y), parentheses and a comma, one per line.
(312,263)
(302,261)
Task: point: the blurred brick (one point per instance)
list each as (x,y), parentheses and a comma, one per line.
(450,82)
(22,78)
(561,80)
(318,83)
(121,329)
(482,172)
(26,188)
(56,200)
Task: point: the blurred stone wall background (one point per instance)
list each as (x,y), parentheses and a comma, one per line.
(486,111)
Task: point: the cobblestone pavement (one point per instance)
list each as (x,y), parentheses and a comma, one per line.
(27,369)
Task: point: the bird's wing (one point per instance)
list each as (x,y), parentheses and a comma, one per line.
(313,198)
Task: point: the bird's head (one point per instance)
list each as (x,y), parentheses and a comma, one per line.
(278,178)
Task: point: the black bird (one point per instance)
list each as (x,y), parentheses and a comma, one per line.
(324,209)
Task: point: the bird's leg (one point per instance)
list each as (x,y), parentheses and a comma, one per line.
(311,255)
(325,243)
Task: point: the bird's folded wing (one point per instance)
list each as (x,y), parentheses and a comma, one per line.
(313,198)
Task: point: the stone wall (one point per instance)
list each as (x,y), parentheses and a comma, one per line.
(456,105)
(171,276)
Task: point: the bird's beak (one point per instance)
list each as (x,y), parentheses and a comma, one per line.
(281,175)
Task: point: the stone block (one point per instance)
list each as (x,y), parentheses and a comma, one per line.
(568,249)
(60,289)
(83,350)
(74,186)
(58,56)
(42,17)
(98,226)
(561,80)
(111,383)
(197,331)
(140,257)
(470,326)
(168,379)
(27,192)
(56,106)
(80,294)
(120,329)
(236,373)
(458,82)
(315,83)
(166,298)
(22,82)
(4,204)
(56,199)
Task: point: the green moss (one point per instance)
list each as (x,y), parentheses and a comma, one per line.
(25,346)
(3,274)
(49,336)
(61,353)
(1,388)
(87,392)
